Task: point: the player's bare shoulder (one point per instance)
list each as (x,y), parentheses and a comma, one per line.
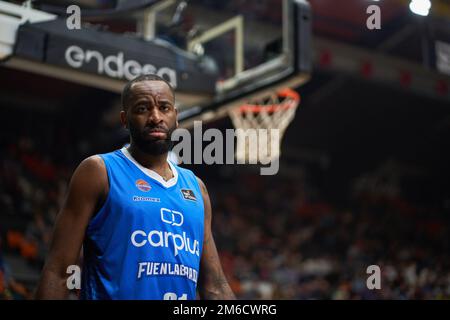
(93,163)
(91,176)
(203,188)
(206,200)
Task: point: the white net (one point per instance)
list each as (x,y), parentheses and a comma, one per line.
(261,124)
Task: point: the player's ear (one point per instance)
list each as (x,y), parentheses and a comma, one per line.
(123,119)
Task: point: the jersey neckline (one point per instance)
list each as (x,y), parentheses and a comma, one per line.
(152,174)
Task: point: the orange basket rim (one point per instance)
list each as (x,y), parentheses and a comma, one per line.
(292,102)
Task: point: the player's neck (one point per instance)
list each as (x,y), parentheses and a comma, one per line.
(157,163)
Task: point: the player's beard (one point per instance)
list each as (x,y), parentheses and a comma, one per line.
(154,147)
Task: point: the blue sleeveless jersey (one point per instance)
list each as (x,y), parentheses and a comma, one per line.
(146,240)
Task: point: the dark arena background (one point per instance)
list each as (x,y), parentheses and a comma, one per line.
(364,171)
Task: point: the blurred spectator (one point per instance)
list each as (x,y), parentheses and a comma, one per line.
(10,289)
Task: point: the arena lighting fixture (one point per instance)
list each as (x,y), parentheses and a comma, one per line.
(420,7)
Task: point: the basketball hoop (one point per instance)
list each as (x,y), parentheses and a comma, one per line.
(262,124)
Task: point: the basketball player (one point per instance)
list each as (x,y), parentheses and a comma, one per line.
(144,222)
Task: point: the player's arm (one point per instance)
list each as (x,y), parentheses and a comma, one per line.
(212,284)
(87,190)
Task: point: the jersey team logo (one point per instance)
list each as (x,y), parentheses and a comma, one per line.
(172,217)
(143,185)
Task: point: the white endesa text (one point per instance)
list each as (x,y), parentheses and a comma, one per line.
(115,66)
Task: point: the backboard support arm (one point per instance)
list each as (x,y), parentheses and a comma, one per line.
(235,24)
(146,24)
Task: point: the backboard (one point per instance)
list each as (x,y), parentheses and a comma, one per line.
(259,47)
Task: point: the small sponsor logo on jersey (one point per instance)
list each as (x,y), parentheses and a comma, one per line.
(143,185)
(146,199)
(188,194)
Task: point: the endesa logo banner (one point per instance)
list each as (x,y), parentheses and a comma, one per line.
(115,65)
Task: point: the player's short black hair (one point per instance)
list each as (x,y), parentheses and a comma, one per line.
(126,92)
